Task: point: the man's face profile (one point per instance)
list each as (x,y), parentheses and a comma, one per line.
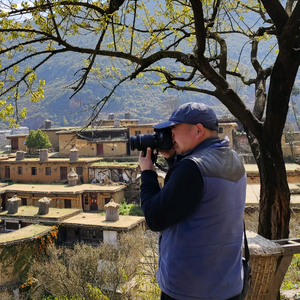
(184,137)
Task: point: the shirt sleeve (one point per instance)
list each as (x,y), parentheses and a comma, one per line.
(178,198)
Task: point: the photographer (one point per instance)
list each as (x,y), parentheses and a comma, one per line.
(199,211)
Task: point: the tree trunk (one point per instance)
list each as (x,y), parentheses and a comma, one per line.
(274,214)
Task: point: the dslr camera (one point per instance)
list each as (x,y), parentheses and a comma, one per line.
(160,140)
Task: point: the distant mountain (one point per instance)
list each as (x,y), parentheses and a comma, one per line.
(146,104)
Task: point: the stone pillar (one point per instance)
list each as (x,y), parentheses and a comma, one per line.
(44,204)
(20,155)
(44,155)
(72,178)
(74,154)
(116,123)
(47,124)
(112,211)
(13,204)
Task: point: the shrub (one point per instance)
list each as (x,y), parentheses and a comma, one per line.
(136,210)
(130,210)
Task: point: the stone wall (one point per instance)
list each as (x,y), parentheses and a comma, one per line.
(86,148)
(44,172)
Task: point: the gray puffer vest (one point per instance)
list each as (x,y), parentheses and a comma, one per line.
(201,256)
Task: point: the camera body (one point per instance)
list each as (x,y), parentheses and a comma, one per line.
(160,140)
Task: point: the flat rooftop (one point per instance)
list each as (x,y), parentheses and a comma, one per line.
(30,232)
(107,164)
(253,195)
(31,212)
(50,160)
(60,188)
(289,168)
(89,220)
(252,170)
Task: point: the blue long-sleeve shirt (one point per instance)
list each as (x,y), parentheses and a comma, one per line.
(178,199)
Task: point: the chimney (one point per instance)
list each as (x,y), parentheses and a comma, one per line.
(43,155)
(47,124)
(127,115)
(112,211)
(74,154)
(13,205)
(20,155)
(72,178)
(116,123)
(44,204)
(111,116)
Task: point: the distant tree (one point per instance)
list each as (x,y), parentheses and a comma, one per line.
(38,140)
(170,104)
(65,121)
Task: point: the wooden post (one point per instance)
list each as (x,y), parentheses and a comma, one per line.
(291,247)
(282,267)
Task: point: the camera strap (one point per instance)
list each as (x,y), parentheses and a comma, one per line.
(161,167)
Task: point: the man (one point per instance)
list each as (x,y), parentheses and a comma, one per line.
(199,211)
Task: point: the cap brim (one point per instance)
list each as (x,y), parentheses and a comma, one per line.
(165,124)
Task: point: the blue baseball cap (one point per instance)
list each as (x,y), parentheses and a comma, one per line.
(192,113)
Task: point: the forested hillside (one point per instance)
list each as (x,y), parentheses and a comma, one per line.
(147,103)
(144,103)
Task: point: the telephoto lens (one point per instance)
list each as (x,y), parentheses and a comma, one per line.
(160,140)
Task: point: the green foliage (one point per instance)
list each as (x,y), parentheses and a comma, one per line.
(95,294)
(136,210)
(288,285)
(38,140)
(162,161)
(292,278)
(130,209)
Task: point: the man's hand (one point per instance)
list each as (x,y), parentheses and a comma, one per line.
(146,162)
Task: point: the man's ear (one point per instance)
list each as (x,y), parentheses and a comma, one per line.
(200,130)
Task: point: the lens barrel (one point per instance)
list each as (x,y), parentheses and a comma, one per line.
(143,141)
(160,140)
